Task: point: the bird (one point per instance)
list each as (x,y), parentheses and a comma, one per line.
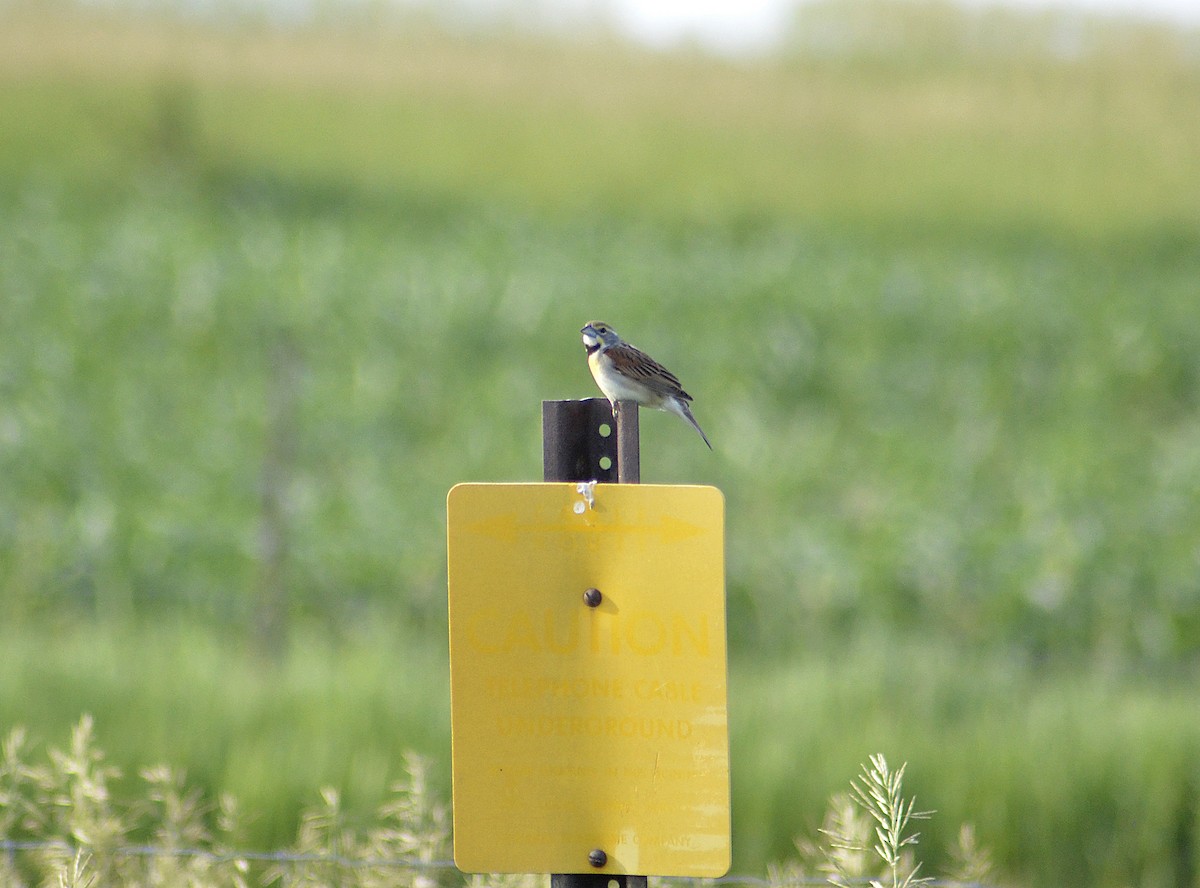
(626,373)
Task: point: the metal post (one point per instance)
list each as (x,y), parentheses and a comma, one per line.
(572,449)
(595,880)
(575,446)
(629,460)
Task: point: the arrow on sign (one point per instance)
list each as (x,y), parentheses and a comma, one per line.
(509,527)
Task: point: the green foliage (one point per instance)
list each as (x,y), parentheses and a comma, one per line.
(879,793)
(1043,761)
(74,832)
(208,389)
(82,835)
(325,712)
(89,837)
(412,826)
(917,117)
(937,308)
(863,841)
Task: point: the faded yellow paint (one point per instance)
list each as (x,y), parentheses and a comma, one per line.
(577,728)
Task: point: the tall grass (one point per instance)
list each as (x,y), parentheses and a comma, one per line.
(271,732)
(1042,763)
(62,825)
(67,828)
(890,115)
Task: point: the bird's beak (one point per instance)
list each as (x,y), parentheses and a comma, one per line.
(588,330)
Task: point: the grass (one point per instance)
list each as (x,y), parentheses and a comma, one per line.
(914,434)
(71,831)
(1015,142)
(62,824)
(1042,763)
(268,294)
(328,714)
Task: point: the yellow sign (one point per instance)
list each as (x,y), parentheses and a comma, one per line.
(585,722)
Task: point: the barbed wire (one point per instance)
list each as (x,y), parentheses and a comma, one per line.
(12,847)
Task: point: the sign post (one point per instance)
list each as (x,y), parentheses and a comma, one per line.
(588,677)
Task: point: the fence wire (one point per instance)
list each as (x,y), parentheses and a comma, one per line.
(13,847)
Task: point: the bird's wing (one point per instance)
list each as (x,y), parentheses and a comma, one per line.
(638,365)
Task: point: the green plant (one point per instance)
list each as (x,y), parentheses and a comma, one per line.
(413,826)
(67,829)
(879,793)
(970,862)
(866,838)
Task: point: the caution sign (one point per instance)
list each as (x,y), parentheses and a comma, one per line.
(588,679)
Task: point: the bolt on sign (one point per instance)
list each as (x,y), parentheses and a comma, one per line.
(588,679)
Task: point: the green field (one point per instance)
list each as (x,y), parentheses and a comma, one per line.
(268,293)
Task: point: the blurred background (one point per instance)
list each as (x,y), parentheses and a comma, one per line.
(275,275)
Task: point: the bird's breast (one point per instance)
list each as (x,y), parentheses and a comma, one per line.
(616,386)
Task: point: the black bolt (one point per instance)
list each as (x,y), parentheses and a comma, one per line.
(592,598)
(596,857)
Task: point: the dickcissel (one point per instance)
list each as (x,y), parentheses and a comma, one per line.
(625,373)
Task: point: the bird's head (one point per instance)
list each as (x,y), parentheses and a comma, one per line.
(598,333)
